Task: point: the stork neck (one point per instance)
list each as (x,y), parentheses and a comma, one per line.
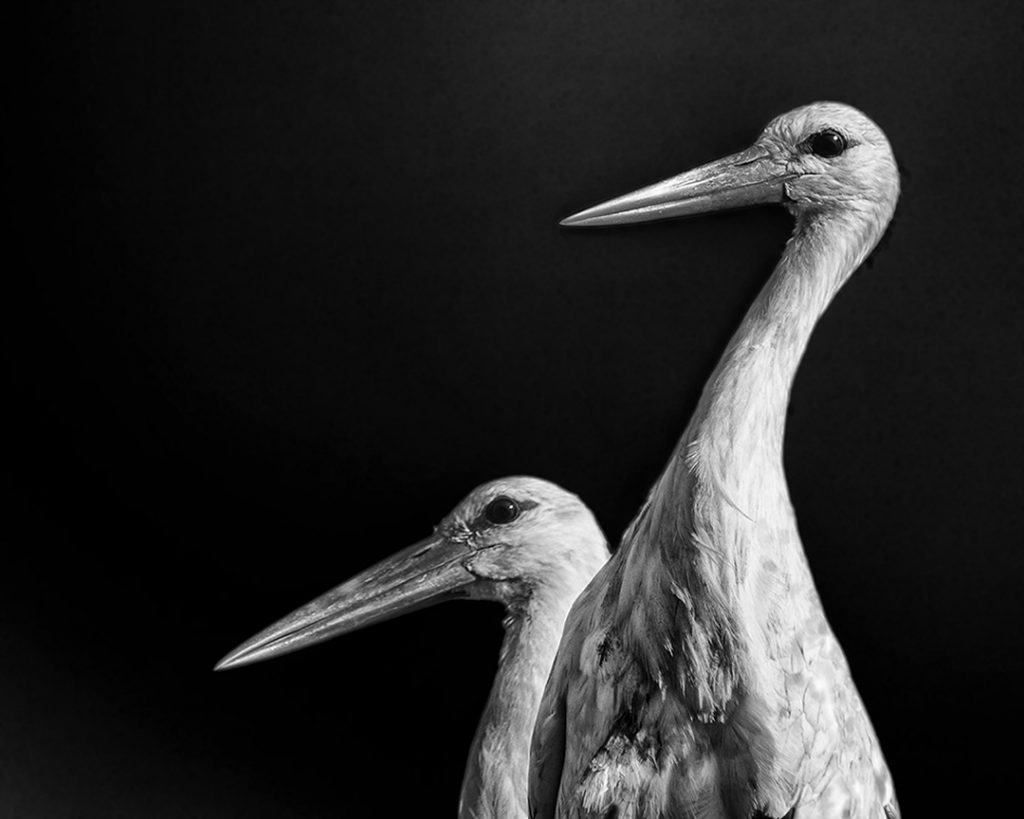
(497,772)
(739,424)
(726,473)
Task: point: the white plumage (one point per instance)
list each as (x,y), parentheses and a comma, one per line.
(697,675)
(522,541)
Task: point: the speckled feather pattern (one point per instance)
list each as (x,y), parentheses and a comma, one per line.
(697,675)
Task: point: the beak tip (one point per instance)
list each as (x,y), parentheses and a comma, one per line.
(576,220)
(224,663)
(233,659)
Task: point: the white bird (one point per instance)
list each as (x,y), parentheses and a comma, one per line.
(697,676)
(522,541)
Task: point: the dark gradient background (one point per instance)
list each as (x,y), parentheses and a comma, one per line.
(293,284)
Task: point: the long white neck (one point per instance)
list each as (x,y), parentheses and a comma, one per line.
(719,517)
(740,420)
(497,772)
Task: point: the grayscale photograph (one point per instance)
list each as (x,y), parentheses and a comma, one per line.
(515,410)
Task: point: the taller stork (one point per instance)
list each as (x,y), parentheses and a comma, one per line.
(697,675)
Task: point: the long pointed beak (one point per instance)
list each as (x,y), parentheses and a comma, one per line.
(425,573)
(750,177)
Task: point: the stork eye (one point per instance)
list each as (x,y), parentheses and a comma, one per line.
(827,143)
(501,510)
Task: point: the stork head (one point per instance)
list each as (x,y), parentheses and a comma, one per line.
(822,157)
(510,540)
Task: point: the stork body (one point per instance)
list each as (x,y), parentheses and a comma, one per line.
(521,541)
(697,675)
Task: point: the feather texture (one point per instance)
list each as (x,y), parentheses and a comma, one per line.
(697,676)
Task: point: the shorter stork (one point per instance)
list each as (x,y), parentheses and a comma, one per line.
(522,541)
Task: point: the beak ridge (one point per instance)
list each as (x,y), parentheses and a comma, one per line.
(426,573)
(750,177)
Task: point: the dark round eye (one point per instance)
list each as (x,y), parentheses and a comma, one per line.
(828,143)
(501,510)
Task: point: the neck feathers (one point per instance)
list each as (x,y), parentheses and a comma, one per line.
(739,422)
(737,428)
(497,772)
(720,512)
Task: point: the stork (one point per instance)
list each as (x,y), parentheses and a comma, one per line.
(697,675)
(522,541)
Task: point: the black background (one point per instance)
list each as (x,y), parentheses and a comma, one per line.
(293,285)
